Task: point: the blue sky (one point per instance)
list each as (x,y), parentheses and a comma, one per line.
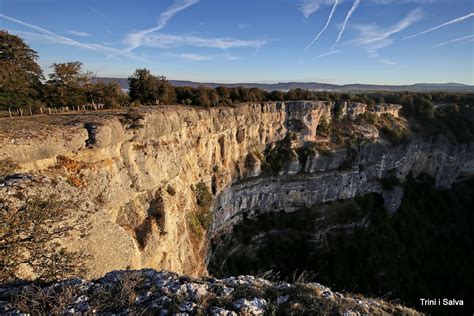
(380,41)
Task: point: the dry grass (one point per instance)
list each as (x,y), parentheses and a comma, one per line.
(39,301)
(118,296)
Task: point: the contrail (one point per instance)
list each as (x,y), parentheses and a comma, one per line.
(109,51)
(135,39)
(328,53)
(324,28)
(454,40)
(351,11)
(463,43)
(470,15)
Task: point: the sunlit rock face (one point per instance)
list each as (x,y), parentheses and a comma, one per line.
(139,183)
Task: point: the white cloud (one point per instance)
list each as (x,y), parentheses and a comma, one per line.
(386,61)
(192,57)
(460,19)
(78,33)
(135,39)
(199,57)
(172,41)
(44,34)
(373,37)
(308,7)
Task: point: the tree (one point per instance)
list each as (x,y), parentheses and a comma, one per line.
(109,94)
(67,84)
(277,95)
(150,89)
(20,74)
(203,96)
(143,87)
(166,92)
(214,97)
(224,95)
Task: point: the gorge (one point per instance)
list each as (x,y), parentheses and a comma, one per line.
(198,191)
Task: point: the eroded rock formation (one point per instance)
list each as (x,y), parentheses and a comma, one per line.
(137,186)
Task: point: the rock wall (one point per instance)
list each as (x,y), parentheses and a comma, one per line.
(343,174)
(138,182)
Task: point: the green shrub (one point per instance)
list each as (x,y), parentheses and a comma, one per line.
(277,157)
(396,137)
(204,197)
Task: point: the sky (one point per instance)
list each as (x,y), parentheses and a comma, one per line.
(330,41)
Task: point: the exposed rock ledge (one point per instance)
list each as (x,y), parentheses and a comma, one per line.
(163,293)
(138,183)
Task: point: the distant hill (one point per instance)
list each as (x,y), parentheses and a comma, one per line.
(417,87)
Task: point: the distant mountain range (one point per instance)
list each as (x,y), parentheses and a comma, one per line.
(417,87)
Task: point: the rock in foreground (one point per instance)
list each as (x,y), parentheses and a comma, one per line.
(166,293)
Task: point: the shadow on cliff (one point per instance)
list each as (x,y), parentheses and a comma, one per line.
(422,251)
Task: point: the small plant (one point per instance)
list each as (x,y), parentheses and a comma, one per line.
(132,119)
(203,195)
(396,137)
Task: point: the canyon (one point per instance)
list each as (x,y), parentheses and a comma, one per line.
(134,185)
(139,182)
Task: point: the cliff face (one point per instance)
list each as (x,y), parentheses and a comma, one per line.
(135,186)
(343,174)
(139,181)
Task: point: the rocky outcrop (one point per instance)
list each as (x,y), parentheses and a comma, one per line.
(386,108)
(344,174)
(136,185)
(165,293)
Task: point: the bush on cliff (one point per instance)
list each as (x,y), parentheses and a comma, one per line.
(201,219)
(30,236)
(278,156)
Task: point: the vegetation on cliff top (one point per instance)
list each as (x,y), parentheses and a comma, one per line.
(22,86)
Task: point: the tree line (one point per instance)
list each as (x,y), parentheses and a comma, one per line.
(23,85)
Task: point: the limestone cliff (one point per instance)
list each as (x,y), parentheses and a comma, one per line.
(137,186)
